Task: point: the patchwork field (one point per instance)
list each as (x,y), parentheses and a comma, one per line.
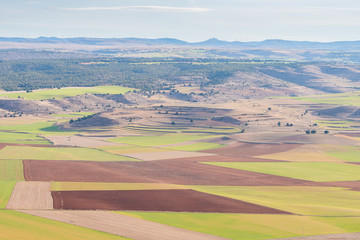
(311,171)
(252,226)
(155,200)
(164,170)
(296,199)
(66,92)
(41,153)
(109,222)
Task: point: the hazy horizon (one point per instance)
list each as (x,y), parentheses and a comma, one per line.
(191,20)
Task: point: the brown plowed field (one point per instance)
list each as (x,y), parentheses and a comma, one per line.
(175,200)
(130,227)
(165,171)
(252,149)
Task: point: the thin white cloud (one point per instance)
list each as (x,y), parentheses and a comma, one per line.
(142,8)
(33,3)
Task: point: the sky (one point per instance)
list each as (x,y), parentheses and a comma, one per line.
(189,20)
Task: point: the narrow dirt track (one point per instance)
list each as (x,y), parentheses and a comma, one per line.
(342,236)
(121,225)
(31,195)
(165,171)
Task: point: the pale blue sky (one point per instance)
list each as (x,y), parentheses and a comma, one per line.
(190,20)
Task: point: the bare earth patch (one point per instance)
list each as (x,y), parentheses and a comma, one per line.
(80,141)
(121,225)
(31,195)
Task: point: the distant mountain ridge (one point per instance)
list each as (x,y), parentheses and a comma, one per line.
(213,42)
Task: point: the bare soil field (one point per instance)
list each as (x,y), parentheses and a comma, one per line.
(152,156)
(80,141)
(166,171)
(31,195)
(126,226)
(174,200)
(252,149)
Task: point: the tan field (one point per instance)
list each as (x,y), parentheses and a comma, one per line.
(121,225)
(31,195)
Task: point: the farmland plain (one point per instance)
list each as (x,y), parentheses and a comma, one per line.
(58,153)
(312,171)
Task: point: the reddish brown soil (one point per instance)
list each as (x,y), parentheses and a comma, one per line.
(155,200)
(165,171)
(252,149)
(353,185)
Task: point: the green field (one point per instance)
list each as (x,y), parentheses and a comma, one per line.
(338,125)
(315,201)
(351,98)
(347,153)
(11,170)
(196,146)
(22,138)
(94,186)
(59,153)
(36,128)
(312,171)
(252,226)
(149,141)
(66,92)
(15,226)
(6,188)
